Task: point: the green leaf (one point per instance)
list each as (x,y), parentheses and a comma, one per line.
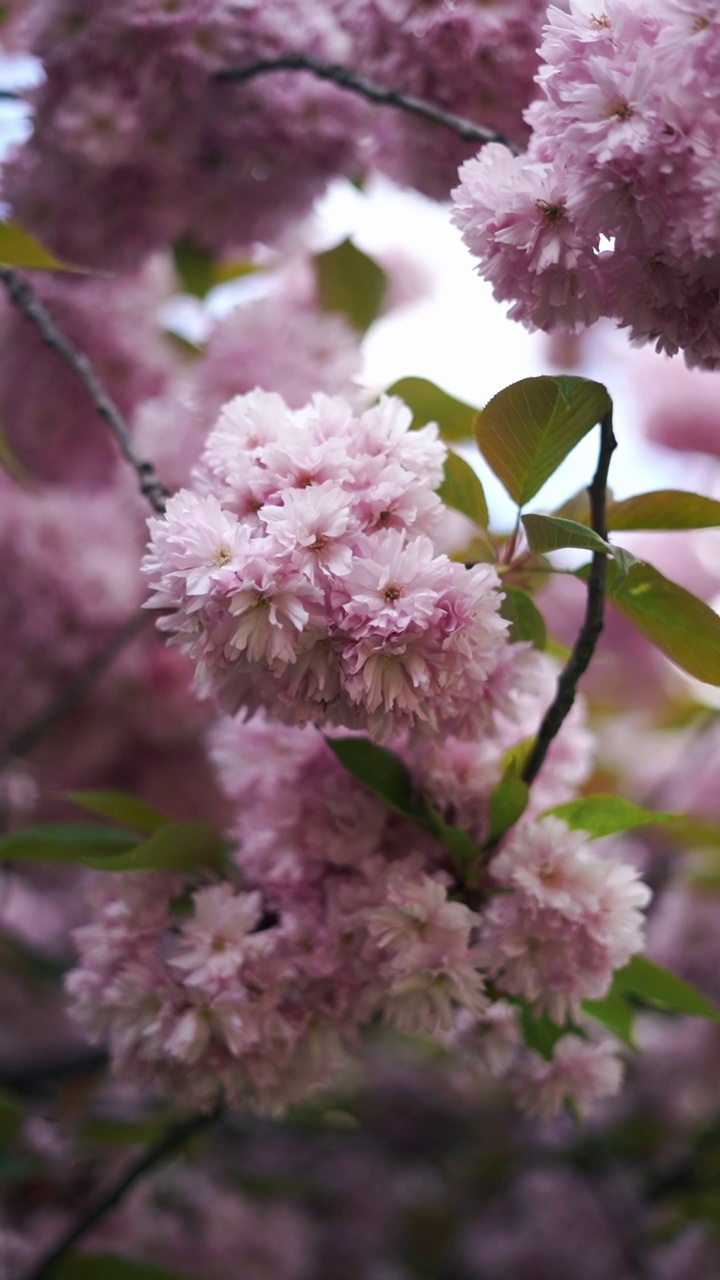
(120,807)
(382,772)
(229,269)
(577,507)
(116,1132)
(19,249)
(16,1167)
(538,1032)
(194,267)
(527,430)
(508,802)
(78,843)
(664,509)
(461,489)
(615,1013)
(179,846)
(110,1266)
(684,628)
(641,977)
(552,533)
(11,1115)
(199,272)
(431,404)
(459,844)
(386,775)
(351,283)
(604,815)
(526,620)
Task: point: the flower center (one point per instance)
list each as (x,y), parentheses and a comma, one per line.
(619,107)
(552,213)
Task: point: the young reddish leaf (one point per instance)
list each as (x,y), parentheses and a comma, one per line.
(462,490)
(431,404)
(527,430)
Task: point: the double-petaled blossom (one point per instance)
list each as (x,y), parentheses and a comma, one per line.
(563,920)
(614,208)
(302,574)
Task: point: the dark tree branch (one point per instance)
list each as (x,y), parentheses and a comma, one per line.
(592,626)
(174,1139)
(22,296)
(346,78)
(27,738)
(35,1077)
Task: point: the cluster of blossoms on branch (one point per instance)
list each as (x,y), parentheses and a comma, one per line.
(301,574)
(337,913)
(613,210)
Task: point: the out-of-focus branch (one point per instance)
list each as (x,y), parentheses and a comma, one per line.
(23,297)
(33,733)
(172,1141)
(34,1077)
(592,626)
(346,78)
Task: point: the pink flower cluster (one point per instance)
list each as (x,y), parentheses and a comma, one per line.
(563,920)
(336,913)
(614,209)
(301,575)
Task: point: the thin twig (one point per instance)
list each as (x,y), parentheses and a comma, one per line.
(27,738)
(351,80)
(34,1077)
(173,1140)
(592,626)
(23,297)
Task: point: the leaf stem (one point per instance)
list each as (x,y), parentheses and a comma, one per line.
(24,741)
